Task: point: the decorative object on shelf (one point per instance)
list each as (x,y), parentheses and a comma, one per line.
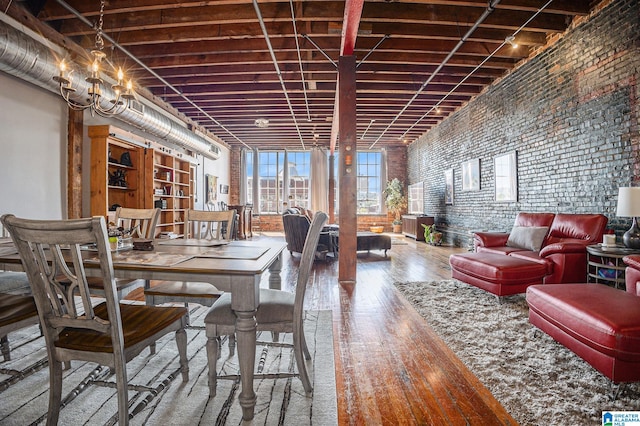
(96,103)
(395,201)
(376,229)
(629,206)
(125,159)
(118,178)
(431,235)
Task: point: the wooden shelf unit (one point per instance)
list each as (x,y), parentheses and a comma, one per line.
(171,184)
(107,147)
(157,174)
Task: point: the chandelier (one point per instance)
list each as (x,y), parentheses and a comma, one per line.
(123,93)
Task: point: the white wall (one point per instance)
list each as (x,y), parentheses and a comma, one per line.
(33,156)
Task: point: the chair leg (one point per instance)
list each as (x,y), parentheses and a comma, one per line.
(212,361)
(55,391)
(181,341)
(120,371)
(232,344)
(4,345)
(298,342)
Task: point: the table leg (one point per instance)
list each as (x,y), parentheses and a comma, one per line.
(246,341)
(275,280)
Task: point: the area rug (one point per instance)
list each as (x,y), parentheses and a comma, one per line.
(280,401)
(536,379)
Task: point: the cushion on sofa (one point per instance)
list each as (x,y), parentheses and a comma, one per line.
(527,237)
(585,227)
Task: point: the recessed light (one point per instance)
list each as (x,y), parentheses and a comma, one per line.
(261,122)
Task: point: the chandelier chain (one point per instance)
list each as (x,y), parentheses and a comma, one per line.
(99,40)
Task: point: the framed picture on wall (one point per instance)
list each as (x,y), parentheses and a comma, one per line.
(506,175)
(471,175)
(448,186)
(211,183)
(224,189)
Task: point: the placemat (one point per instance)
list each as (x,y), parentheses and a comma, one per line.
(246,253)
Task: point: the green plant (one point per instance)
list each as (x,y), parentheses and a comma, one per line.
(395,199)
(428,230)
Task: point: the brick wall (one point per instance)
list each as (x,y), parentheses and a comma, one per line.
(571,113)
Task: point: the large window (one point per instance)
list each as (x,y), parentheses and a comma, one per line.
(369,172)
(369,182)
(281,177)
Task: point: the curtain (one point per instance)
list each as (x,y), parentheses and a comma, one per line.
(383,178)
(319,180)
(243,178)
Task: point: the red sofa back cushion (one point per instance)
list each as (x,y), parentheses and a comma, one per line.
(587,227)
(534,219)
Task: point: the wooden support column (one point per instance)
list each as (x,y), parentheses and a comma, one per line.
(347,169)
(332,189)
(74,164)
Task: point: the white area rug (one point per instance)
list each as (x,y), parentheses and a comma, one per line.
(280,401)
(535,378)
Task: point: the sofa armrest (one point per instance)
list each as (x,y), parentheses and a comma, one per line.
(632,274)
(564,248)
(490,239)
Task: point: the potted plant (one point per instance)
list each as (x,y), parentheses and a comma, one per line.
(395,201)
(431,235)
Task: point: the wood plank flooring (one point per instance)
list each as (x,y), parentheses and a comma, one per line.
(391,368)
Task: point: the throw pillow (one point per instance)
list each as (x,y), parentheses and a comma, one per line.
(527,237)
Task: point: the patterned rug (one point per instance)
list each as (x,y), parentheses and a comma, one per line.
(535,378)
(280,401)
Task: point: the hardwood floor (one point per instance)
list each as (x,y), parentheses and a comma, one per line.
(391,368)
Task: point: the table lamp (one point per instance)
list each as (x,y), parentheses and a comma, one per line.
(629,206)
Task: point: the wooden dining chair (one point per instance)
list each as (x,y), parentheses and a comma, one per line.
(142,221)
(109,333)
(279,312)
(16,311)
(205,225)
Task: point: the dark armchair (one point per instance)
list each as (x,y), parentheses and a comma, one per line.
(296,226)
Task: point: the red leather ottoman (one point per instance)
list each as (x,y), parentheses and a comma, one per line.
(496,273)
(598,323)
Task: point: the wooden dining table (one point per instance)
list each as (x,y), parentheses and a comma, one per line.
(236,267)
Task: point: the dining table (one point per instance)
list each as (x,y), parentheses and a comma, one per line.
(236,267)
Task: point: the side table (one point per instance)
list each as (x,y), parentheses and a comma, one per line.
(605,264)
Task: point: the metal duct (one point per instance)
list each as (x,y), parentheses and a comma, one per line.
(30,60)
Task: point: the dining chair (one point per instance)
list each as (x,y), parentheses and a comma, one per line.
(200,225)
(16,311)
(109,333)
(142,221)
(279,312)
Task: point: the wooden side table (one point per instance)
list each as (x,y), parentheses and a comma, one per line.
(605,264)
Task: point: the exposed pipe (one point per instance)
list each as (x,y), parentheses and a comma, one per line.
(466,77)
(149,70)
(275,64)
(490,8)
(30,60)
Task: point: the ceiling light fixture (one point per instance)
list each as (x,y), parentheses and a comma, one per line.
(512,41)
(123,93)
(262,123)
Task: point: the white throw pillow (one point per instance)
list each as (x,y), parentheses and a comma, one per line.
(527,237)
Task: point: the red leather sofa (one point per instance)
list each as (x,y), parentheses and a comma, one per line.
(549,248)
(598,323)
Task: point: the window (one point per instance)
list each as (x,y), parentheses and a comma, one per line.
(369,192)
(369,173)
(299,177)
(282,177)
